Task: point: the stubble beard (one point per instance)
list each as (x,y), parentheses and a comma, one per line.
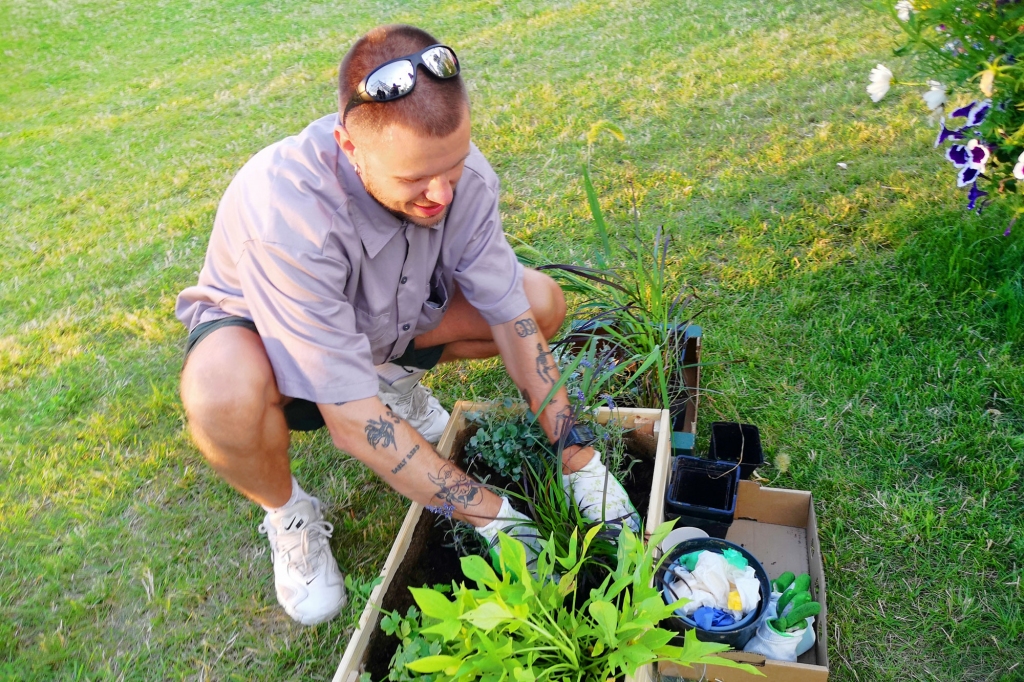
(432,221)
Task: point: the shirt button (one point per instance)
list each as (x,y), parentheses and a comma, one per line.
(404,280)
(405,327)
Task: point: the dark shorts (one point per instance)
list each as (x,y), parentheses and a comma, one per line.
(301,414)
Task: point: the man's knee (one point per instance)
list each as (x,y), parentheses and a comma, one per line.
(227,382)
(546,300)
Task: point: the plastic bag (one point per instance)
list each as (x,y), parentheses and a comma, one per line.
(712,574)
(780,646)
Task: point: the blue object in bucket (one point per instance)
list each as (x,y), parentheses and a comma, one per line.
(706,618)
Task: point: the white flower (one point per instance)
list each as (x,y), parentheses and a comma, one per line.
(903,10)
(935,97)
(1018,170)
(880,79)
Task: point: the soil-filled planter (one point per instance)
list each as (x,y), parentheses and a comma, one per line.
(420,556)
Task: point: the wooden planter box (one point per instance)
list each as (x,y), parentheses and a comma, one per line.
(410,550)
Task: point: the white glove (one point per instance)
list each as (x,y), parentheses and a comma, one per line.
(593,484)
(515,525)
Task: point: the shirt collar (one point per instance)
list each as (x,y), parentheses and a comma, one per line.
(374,224)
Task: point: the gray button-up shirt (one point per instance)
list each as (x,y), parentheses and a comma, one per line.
(334,282)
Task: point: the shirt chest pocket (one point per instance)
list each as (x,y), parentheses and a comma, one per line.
(436,304)
(376,327)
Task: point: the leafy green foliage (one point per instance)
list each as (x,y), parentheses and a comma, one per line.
(516,627)
(506,442)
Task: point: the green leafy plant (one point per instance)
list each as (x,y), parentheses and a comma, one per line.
(506,442)
(513,626)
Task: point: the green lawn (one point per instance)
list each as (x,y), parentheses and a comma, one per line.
(871,328)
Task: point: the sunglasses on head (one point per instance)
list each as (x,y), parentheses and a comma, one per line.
(397,78)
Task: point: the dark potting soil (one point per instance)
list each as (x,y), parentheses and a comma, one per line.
(433,560)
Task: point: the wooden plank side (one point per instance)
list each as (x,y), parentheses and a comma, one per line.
(355,652)
(360,640)
(772,671)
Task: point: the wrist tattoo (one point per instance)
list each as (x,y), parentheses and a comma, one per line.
(564,421)
(546,369)
(455,487)
(381,433)
(526,328)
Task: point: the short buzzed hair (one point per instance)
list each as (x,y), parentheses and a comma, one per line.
(435,107)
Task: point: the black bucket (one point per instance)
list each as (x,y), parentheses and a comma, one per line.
(702,493)
(741,634)
(734,442)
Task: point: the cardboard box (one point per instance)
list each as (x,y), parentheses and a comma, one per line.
(779,528)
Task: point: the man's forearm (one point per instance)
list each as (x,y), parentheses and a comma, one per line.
(533,369)
(373,434)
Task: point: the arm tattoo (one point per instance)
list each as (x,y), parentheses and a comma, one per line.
(401,464)
(526,328)
(380,432)
(545,366)
(564,421)
(455,487)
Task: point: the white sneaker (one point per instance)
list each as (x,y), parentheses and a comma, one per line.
(309,585)
(413,402)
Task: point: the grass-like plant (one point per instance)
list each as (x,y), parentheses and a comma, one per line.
(634,307)
(514,626)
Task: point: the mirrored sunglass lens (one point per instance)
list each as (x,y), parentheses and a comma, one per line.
(441,61)
(390,81)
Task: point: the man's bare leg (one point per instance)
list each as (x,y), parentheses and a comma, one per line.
(467,336)
(236,414)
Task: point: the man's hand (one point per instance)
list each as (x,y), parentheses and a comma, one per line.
(373,434)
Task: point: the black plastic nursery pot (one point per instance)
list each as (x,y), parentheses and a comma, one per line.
(741,443)
(739,635)
(702,493)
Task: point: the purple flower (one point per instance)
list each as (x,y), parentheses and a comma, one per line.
(579,394)
(446,511)
(978,113)
(966,176)
(608,400)
(948,134)
(973,195)
(975,112)
(957,155)
(1006,233)
(978,155)
(962,111)
(586,363)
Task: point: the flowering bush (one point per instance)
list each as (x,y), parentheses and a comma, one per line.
(971,51)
